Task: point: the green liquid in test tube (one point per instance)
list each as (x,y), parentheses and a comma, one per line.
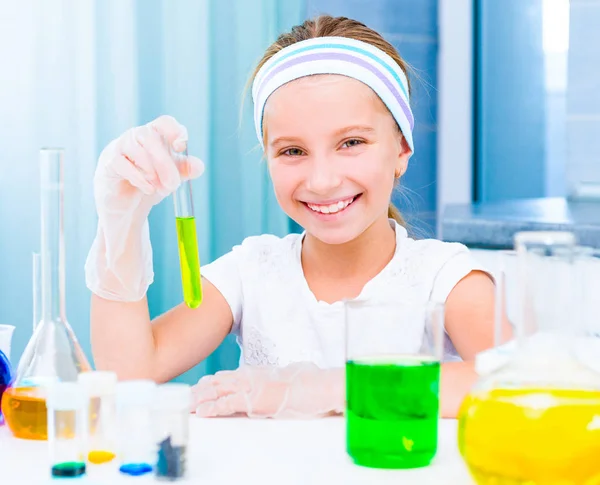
(187,242)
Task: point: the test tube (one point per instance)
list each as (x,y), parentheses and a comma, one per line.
(135,446)
(67,424)
(187,241)
(36,277)
(171,421)
(99,388)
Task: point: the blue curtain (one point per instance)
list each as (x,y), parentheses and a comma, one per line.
(82,73)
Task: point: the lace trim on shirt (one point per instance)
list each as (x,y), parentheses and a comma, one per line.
(258,348)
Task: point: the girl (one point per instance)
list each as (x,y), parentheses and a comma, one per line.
(332,113)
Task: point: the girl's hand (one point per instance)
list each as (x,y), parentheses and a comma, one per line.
(134,173)
(300,390)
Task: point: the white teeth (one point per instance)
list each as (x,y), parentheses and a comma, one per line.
(331,208)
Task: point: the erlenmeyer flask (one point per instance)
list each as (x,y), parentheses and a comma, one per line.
(535,419)
(53,353)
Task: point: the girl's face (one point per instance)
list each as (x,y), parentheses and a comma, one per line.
(333,150)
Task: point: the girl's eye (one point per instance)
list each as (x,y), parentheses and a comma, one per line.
(351,143)
(293,152)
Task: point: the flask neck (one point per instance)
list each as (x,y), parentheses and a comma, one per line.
(52,235)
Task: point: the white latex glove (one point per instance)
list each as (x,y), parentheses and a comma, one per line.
(134,172)
(300,390)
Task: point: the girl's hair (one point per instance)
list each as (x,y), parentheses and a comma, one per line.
(327,26)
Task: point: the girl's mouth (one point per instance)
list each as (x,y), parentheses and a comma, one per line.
(334,207)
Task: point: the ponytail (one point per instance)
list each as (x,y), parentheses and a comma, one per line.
(394,213)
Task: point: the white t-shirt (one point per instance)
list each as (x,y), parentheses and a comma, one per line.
(277,319)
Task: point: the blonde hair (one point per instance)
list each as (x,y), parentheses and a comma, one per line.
(327,26)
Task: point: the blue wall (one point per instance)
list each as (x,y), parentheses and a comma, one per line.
(411,26)
(583,105)
(510,112)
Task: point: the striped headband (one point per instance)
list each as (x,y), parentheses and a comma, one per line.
(336,55)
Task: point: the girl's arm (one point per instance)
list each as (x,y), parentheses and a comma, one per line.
(470,325)
(126,342)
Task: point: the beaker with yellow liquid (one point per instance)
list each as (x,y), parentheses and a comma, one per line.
(533,418)
(53,352)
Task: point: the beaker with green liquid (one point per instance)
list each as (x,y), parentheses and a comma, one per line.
(187,240)
(393,355)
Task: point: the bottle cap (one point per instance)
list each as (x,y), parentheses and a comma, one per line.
(135,393)
(65,396)
(98,383)
(173,396)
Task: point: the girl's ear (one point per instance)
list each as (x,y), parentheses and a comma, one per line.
(404,153)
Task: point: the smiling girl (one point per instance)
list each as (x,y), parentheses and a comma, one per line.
(332,113)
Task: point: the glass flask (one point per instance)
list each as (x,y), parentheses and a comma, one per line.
(53,353)
(6,371)
(534,418)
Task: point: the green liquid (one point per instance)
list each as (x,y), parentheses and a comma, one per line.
(392,414)
(189,261)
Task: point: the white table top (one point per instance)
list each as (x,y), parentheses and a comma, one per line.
(243,451)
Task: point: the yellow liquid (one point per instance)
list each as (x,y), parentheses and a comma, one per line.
(532,437)
(25,412)
(100,456)
(189,261)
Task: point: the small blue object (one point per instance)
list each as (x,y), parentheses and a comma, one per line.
(135,469)
(5,378)
(171,460)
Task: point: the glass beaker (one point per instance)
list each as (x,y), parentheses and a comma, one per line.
(587,264)
(587,278)
(136,446)
(53,353)
(6,371)
(100,389)
(534,420)
(67,428)
(393,355)
(172,422)
(507,312)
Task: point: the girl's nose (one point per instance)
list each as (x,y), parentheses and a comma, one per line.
(323,177)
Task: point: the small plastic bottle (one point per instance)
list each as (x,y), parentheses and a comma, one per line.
(171,424)
(99,387)
(136,446)
(67,429)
